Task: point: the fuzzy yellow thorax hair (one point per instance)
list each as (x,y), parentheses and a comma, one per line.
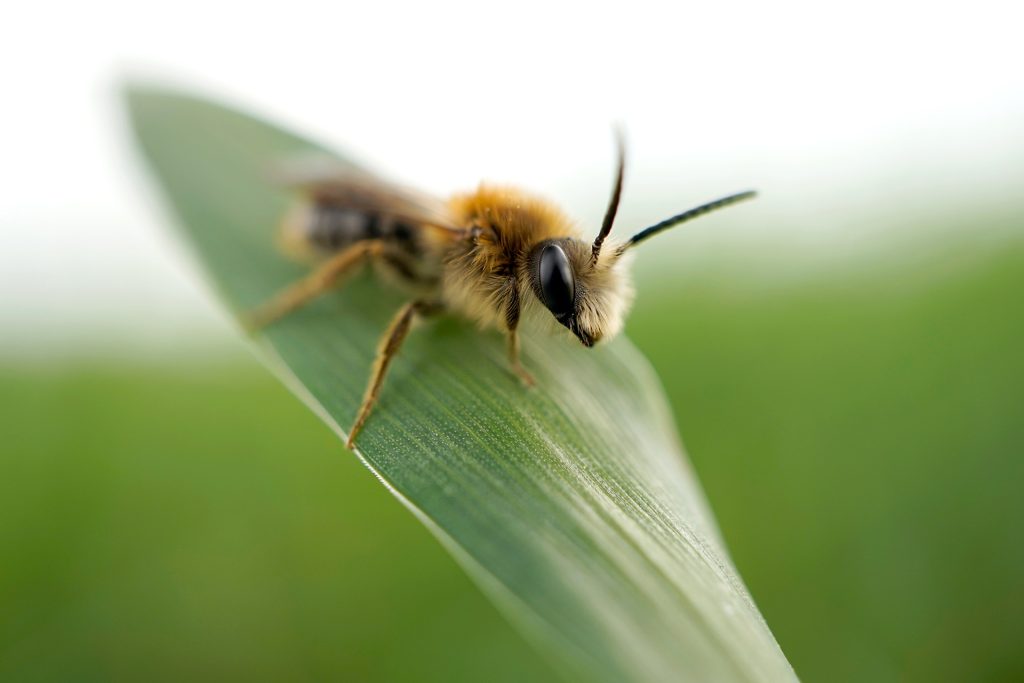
(509,225)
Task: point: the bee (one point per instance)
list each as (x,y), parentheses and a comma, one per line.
(496,256)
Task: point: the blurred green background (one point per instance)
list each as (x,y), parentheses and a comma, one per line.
(844,357)
(858,428)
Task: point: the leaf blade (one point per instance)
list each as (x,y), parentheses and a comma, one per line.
(571,505)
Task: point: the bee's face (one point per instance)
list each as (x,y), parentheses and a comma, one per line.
(590,299)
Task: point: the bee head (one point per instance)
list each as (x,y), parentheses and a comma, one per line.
(586,286)
(589,298)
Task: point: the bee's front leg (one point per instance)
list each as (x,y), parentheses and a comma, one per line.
(512,311)
(513,359)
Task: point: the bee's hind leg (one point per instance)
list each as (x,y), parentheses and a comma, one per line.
(326,276)
(390,342)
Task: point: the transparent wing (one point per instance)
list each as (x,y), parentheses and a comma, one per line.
(329,183)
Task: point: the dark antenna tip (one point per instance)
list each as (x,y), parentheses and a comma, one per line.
(613,202)
(688,216)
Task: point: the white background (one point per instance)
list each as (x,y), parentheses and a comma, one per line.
(836,112)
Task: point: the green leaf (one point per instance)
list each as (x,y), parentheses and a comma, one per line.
(571,504)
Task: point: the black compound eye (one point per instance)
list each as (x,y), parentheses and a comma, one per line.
(557,285)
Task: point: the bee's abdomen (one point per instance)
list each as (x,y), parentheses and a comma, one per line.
(311,231)
(331,228)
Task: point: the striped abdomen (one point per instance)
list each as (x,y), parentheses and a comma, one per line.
(331,228)
(324,229)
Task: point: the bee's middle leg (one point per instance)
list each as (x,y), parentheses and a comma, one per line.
(313,285)
(390,342)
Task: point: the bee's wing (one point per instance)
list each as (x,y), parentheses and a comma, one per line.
(331,184)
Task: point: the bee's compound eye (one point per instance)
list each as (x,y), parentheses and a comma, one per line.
(556,281)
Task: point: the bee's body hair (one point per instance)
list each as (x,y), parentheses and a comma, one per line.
(485,277)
